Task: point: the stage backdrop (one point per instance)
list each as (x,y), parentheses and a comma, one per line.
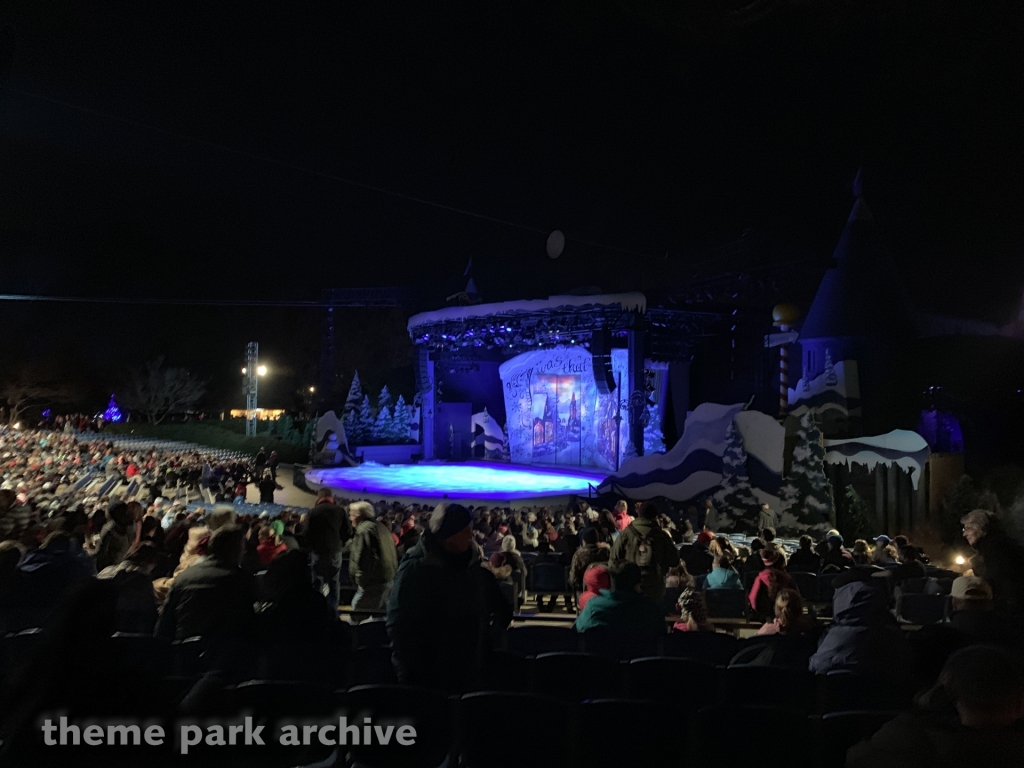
(555,413)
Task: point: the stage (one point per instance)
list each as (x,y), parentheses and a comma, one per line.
(472,483)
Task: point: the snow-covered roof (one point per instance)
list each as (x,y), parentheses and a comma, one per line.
(628,302)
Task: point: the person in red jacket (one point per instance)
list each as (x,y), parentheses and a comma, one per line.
(595,579)
(270,545)
(770,580)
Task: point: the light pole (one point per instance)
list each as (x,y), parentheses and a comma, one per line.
(252,371)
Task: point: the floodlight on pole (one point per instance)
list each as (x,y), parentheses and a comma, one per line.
(261,370)
(251,371)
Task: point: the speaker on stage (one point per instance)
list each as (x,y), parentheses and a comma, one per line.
(601,357)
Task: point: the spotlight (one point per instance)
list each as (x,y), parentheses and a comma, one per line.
(960,560)
(261,370)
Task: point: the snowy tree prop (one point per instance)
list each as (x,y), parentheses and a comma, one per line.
(364,423)
(806,495)
(735,501)
(400,422)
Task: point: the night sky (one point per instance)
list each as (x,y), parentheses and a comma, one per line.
(192,150)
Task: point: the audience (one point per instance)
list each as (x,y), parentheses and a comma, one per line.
(770,580)
(805,559)
(625,608)
(373,558)
(595,580)
(646,545)
(1000,560)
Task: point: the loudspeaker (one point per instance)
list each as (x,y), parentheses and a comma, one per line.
(601,357)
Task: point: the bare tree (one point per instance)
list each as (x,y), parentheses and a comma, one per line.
(21,394)
(156,391)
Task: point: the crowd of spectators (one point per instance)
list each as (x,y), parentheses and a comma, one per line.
(444,577)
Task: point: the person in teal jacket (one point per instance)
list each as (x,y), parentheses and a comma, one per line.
(723,575)
(623,608)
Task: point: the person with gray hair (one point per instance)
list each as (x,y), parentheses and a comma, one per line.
(373,558)
(1000,559)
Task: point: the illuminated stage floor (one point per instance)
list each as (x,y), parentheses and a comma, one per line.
(477,482)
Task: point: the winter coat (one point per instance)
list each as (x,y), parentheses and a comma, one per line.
(136,604)
(211,600)
(439,617)
(641,535)
(767,518)
(583,558)
(863,636)
(113,545)
(622,521)
(804,561)
(594,581)
(761,600)
(1000,561)
(625,612)
(723,578)
(327,529)
(373,558)
(268,549)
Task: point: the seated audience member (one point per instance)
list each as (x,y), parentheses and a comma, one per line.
(767,535)
(910,566)
(723,575)
(590,553)
(770,580)
(754,563)
(696,556)
(44,577)
(596,579)
(625,608)
(132,577)
(983,725)
(117,535)
(861,553)
(678,578)
(837,558)
(863,636)
(805,559)
(269,546)
(295,611)
(693,613)
(214,597)
(1000,560)
(883,554)
(789,615)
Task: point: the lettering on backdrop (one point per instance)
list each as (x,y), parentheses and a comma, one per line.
(565,365)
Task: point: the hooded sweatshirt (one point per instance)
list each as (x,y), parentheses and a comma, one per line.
(595,579)
(863,636)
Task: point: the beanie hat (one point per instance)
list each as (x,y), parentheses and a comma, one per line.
(448,519)
(705,537)
(277,527)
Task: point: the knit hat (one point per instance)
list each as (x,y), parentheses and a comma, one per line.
(835,538)
(769,554)
(448,519)
(705,537)
(971,588)
(497,560)
(277,527)
(883,540)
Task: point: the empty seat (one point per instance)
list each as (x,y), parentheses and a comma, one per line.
(575,676)
(143,651)
(372,632)
(505,671)
(726,603)
(921,608)
(757,728)
(826,587)
(806,584)
(539,638)
(620,646)
(838,731)
(843,691)
(599,738)
(715,648)
(372,666)
(686,682)
(426,710)
(755,685)
(547,578)
(548,744)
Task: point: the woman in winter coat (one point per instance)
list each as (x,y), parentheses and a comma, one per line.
(595,580)
(117,535)
(723,575)
(769,582)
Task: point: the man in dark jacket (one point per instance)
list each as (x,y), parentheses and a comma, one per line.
(644,543)
(213,598)
(327,529)
(591,552)
(116,536)
(372,559)
(863,636)
(442,605)
(1000,560)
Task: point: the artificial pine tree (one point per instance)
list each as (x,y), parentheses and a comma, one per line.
(381,431)
(735,501)
(806,496)
(852,521)
(384,399)
(400,422)
(363,425)
(350,413)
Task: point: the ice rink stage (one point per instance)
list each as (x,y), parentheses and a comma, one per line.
(476,483)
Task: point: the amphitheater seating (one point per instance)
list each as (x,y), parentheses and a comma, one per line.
(548,742)
(713,647)
(370,632)
(390,704)
(534,639)
(670,681)
(756,685)
(726,603)
(921,608)
(575,677)
(619,645)
(838,731)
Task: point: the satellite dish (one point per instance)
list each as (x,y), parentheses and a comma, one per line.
(556,243)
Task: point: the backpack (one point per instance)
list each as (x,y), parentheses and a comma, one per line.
(645,555)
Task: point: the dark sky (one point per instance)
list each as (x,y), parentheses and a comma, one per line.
(187,149)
